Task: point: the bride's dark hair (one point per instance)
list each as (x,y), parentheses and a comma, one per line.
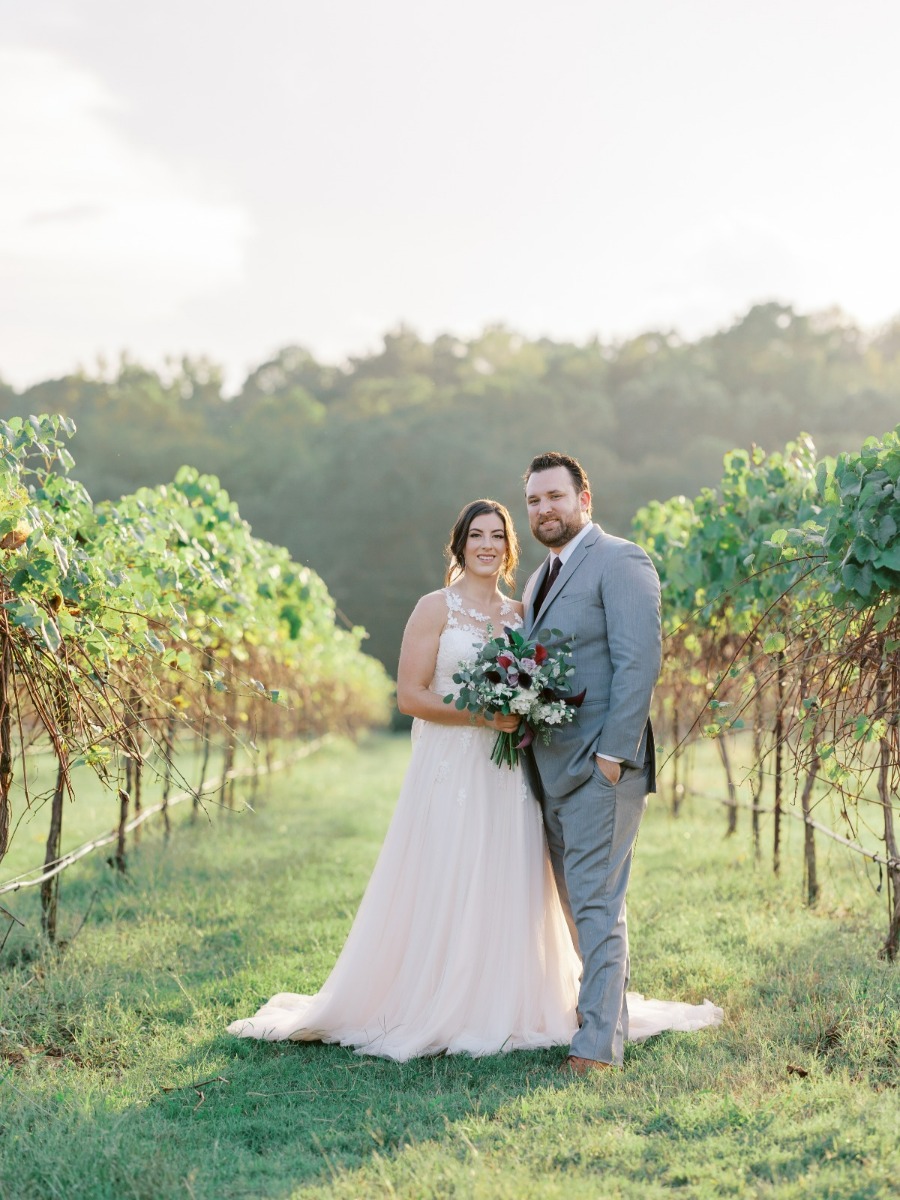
(456,547)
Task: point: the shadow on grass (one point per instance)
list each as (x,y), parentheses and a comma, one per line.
(300,1113)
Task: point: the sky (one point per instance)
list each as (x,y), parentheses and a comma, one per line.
(226,177)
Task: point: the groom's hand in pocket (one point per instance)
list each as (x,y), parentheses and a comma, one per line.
(612,770)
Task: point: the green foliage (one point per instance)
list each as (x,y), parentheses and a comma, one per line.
(158,573)
(861,497)
(119,615)
(334,461)
(758,553)
(722,552)
(782,596)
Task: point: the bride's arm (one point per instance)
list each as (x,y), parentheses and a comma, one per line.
(418,655)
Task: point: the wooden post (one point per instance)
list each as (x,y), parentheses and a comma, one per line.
(169,744)
(809,834)
(208,661)
(124,799)
(756,785)
(732,790)
(779,760)
(677,787)
(227,791)
(137,773)
(50,887)
(891,947)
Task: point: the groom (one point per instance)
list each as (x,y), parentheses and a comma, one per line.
(594,776)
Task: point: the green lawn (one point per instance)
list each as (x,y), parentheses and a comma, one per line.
(102,1045)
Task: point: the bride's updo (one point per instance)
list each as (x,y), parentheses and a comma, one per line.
(455,550)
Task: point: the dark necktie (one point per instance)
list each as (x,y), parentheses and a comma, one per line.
(555,568)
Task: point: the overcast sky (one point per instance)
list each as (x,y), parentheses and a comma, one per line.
(224,177)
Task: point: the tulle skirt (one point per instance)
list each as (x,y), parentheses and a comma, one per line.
(459,944)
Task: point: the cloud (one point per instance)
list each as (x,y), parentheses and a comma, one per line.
(87,218)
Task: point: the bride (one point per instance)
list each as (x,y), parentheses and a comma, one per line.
(459,944)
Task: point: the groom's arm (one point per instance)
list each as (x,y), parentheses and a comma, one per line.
(631,597)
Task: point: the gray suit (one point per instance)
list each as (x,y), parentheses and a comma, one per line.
(607,597)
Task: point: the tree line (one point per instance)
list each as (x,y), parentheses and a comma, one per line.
(360,468)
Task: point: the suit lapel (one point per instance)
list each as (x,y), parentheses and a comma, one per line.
(568,570)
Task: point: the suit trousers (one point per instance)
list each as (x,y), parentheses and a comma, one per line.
(591,834)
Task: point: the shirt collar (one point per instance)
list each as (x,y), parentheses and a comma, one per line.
(569,548)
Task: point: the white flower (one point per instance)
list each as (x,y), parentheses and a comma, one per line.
(522,703)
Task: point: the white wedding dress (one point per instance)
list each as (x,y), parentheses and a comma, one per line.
(459,944)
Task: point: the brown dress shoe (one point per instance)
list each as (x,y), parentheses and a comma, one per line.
(574,1065)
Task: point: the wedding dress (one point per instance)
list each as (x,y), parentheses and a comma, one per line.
(459,944)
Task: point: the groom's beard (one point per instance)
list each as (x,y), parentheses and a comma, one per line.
(558,531)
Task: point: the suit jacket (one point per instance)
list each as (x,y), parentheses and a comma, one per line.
(607,597)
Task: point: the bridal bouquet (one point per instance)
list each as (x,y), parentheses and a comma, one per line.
(513,675)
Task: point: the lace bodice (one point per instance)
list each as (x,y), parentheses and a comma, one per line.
(464,634)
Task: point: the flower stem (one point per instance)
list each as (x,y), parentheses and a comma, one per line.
(505,753)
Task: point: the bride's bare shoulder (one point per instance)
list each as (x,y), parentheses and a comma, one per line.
(430,609)
(517,606)
(436,600)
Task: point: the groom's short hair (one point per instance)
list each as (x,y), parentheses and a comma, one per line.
(553,458)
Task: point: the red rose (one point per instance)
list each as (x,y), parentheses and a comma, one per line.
(541,654)
(505,661)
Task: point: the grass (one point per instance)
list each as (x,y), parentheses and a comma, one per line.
(107,1047)
(97,808)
